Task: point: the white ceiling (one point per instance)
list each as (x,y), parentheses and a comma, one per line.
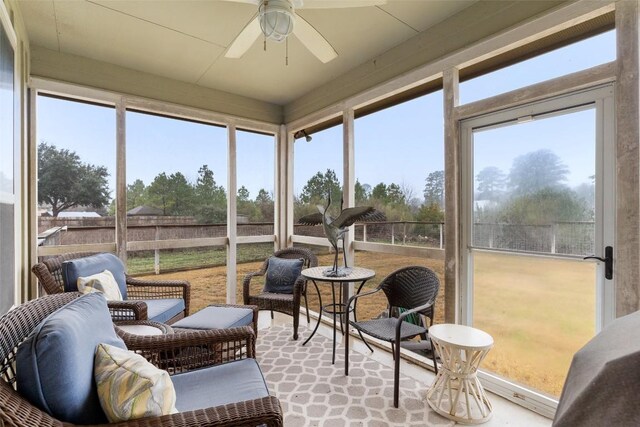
(186,39)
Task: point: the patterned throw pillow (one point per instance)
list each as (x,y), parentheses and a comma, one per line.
(130,387)
(282,274)
(102,282)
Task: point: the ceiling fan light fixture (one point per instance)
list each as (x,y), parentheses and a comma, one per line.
(276,19)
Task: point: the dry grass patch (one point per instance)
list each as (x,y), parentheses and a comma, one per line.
(538,310)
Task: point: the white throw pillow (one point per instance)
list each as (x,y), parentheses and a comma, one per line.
(129,387)
(101,282)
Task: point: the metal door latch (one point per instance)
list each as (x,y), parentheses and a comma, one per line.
(608,261)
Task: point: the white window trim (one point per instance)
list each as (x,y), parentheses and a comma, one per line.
(598,95)
(122,102)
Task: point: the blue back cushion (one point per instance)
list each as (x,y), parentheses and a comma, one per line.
(55,363)
(282,274)
(94,264)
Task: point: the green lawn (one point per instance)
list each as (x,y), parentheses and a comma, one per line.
(183,259)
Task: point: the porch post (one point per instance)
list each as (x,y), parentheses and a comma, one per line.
(627,253)
(282,189)
(348,188)
(232,185)
(31,188)
(452,198)
(121,181)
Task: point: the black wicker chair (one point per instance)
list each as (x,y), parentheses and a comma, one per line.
(283,303)
(410,291)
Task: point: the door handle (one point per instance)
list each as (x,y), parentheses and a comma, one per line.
(608,261)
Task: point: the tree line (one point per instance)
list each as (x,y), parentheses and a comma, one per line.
(205,199)
(397,201)
(65,182)
(534,191)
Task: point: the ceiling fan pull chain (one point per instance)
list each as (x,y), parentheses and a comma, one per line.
(286,49)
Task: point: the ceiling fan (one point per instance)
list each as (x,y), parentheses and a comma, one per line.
(277,19)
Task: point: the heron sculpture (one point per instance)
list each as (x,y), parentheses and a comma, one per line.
(336,228)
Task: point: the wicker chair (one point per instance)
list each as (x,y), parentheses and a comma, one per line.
(283,303)
(174,352)
(410,291)
(49,274)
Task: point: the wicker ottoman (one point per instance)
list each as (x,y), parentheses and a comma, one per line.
(220,317)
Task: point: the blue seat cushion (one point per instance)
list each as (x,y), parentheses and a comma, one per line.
(87,266)
(55,363)
(282,274)
(217,318)
(219,385)
(162,310)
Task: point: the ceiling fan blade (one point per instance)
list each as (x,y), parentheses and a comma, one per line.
(245,39)
(256,2)
(313,40)
(336,4)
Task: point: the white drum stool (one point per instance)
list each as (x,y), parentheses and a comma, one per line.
(456,393)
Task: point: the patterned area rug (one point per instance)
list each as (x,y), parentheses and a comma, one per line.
(313,392)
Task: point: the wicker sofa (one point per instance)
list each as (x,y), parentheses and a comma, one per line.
(190,353)
(146,299)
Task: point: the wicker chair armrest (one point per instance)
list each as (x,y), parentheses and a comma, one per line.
(415,310)
(246,283)
(159,289)
(265,411)
(164,286)
(163,327)
(298,290)
(15,410)
(187,339)
(188,350)
(127,310)
(361,294)
(249,276)
(46,279)
(147,282)
(299,285)
(407,313)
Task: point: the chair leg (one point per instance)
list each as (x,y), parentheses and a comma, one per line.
(346,355)
(306,304)
(396,376)
(433,356)
(296,322)
(271,314)
(425,337)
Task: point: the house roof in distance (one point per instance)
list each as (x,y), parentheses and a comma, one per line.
(71,214)
(144,211)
